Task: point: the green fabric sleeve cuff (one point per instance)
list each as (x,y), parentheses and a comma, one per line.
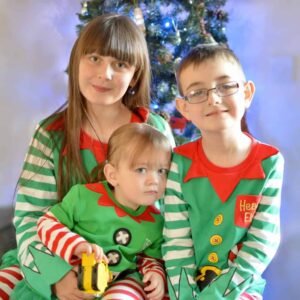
(48,270)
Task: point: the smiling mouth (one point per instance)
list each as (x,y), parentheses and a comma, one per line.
(101,89)
(216,112)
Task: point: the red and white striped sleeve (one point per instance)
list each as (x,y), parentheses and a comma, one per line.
(58,238)
(147,264)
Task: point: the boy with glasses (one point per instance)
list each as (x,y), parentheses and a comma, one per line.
(222,199)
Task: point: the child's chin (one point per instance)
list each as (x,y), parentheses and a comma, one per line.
(150,200)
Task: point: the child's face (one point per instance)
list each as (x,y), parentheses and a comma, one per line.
(144,182)
(103,79)
(216,113)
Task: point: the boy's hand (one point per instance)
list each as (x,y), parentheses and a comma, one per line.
(89,249)
(154,286)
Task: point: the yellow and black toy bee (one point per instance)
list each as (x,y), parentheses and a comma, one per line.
(206,275)
(93,277)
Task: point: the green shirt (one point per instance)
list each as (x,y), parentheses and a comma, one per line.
(37,193)
(93,214)
(221,223)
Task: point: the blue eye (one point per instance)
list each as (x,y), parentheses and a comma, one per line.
(198,93)
(163,171)
(196,96)
(140,170)
(227,88)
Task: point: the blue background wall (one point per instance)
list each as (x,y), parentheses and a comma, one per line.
(263,34)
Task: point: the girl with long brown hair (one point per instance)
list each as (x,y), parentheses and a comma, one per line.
(109,86)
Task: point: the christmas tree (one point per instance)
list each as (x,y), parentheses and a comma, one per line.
(171,28)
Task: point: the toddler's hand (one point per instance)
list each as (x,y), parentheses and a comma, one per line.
(89,249)
(154,286)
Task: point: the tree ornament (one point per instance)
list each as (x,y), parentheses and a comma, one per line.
(220,15)
(84,10)
(164,56)
(177,61)
(163,87)
(153,29)
(139,18)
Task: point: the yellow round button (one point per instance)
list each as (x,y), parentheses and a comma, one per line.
(216,240)
(218,220)
(213,257)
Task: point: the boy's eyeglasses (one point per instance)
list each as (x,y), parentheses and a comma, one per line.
(222,90)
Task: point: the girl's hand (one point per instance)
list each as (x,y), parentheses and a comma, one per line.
(89,249)
(66,288)
(155,286)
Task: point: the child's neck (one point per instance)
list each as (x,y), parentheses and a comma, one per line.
(123,202)
(106,119)
(226,149)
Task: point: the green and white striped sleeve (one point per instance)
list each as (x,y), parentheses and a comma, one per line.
(178,249)
(35,195)
(263,237)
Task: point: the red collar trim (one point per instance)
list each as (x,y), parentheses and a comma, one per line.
(139,115)
(224,180)
(105,200)
(57,125)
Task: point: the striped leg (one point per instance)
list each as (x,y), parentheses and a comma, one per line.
(246,296)
(9,277)
(125,289)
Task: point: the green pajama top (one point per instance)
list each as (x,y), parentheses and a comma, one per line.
(37,194)
(90,213)
(221,224)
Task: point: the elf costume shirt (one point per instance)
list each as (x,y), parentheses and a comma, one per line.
(221,224)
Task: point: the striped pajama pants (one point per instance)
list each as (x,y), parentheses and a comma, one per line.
(125,289)
(9,277)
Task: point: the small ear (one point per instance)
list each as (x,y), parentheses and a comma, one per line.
(249,92)
(182,107)
(110,174)
(133,81)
